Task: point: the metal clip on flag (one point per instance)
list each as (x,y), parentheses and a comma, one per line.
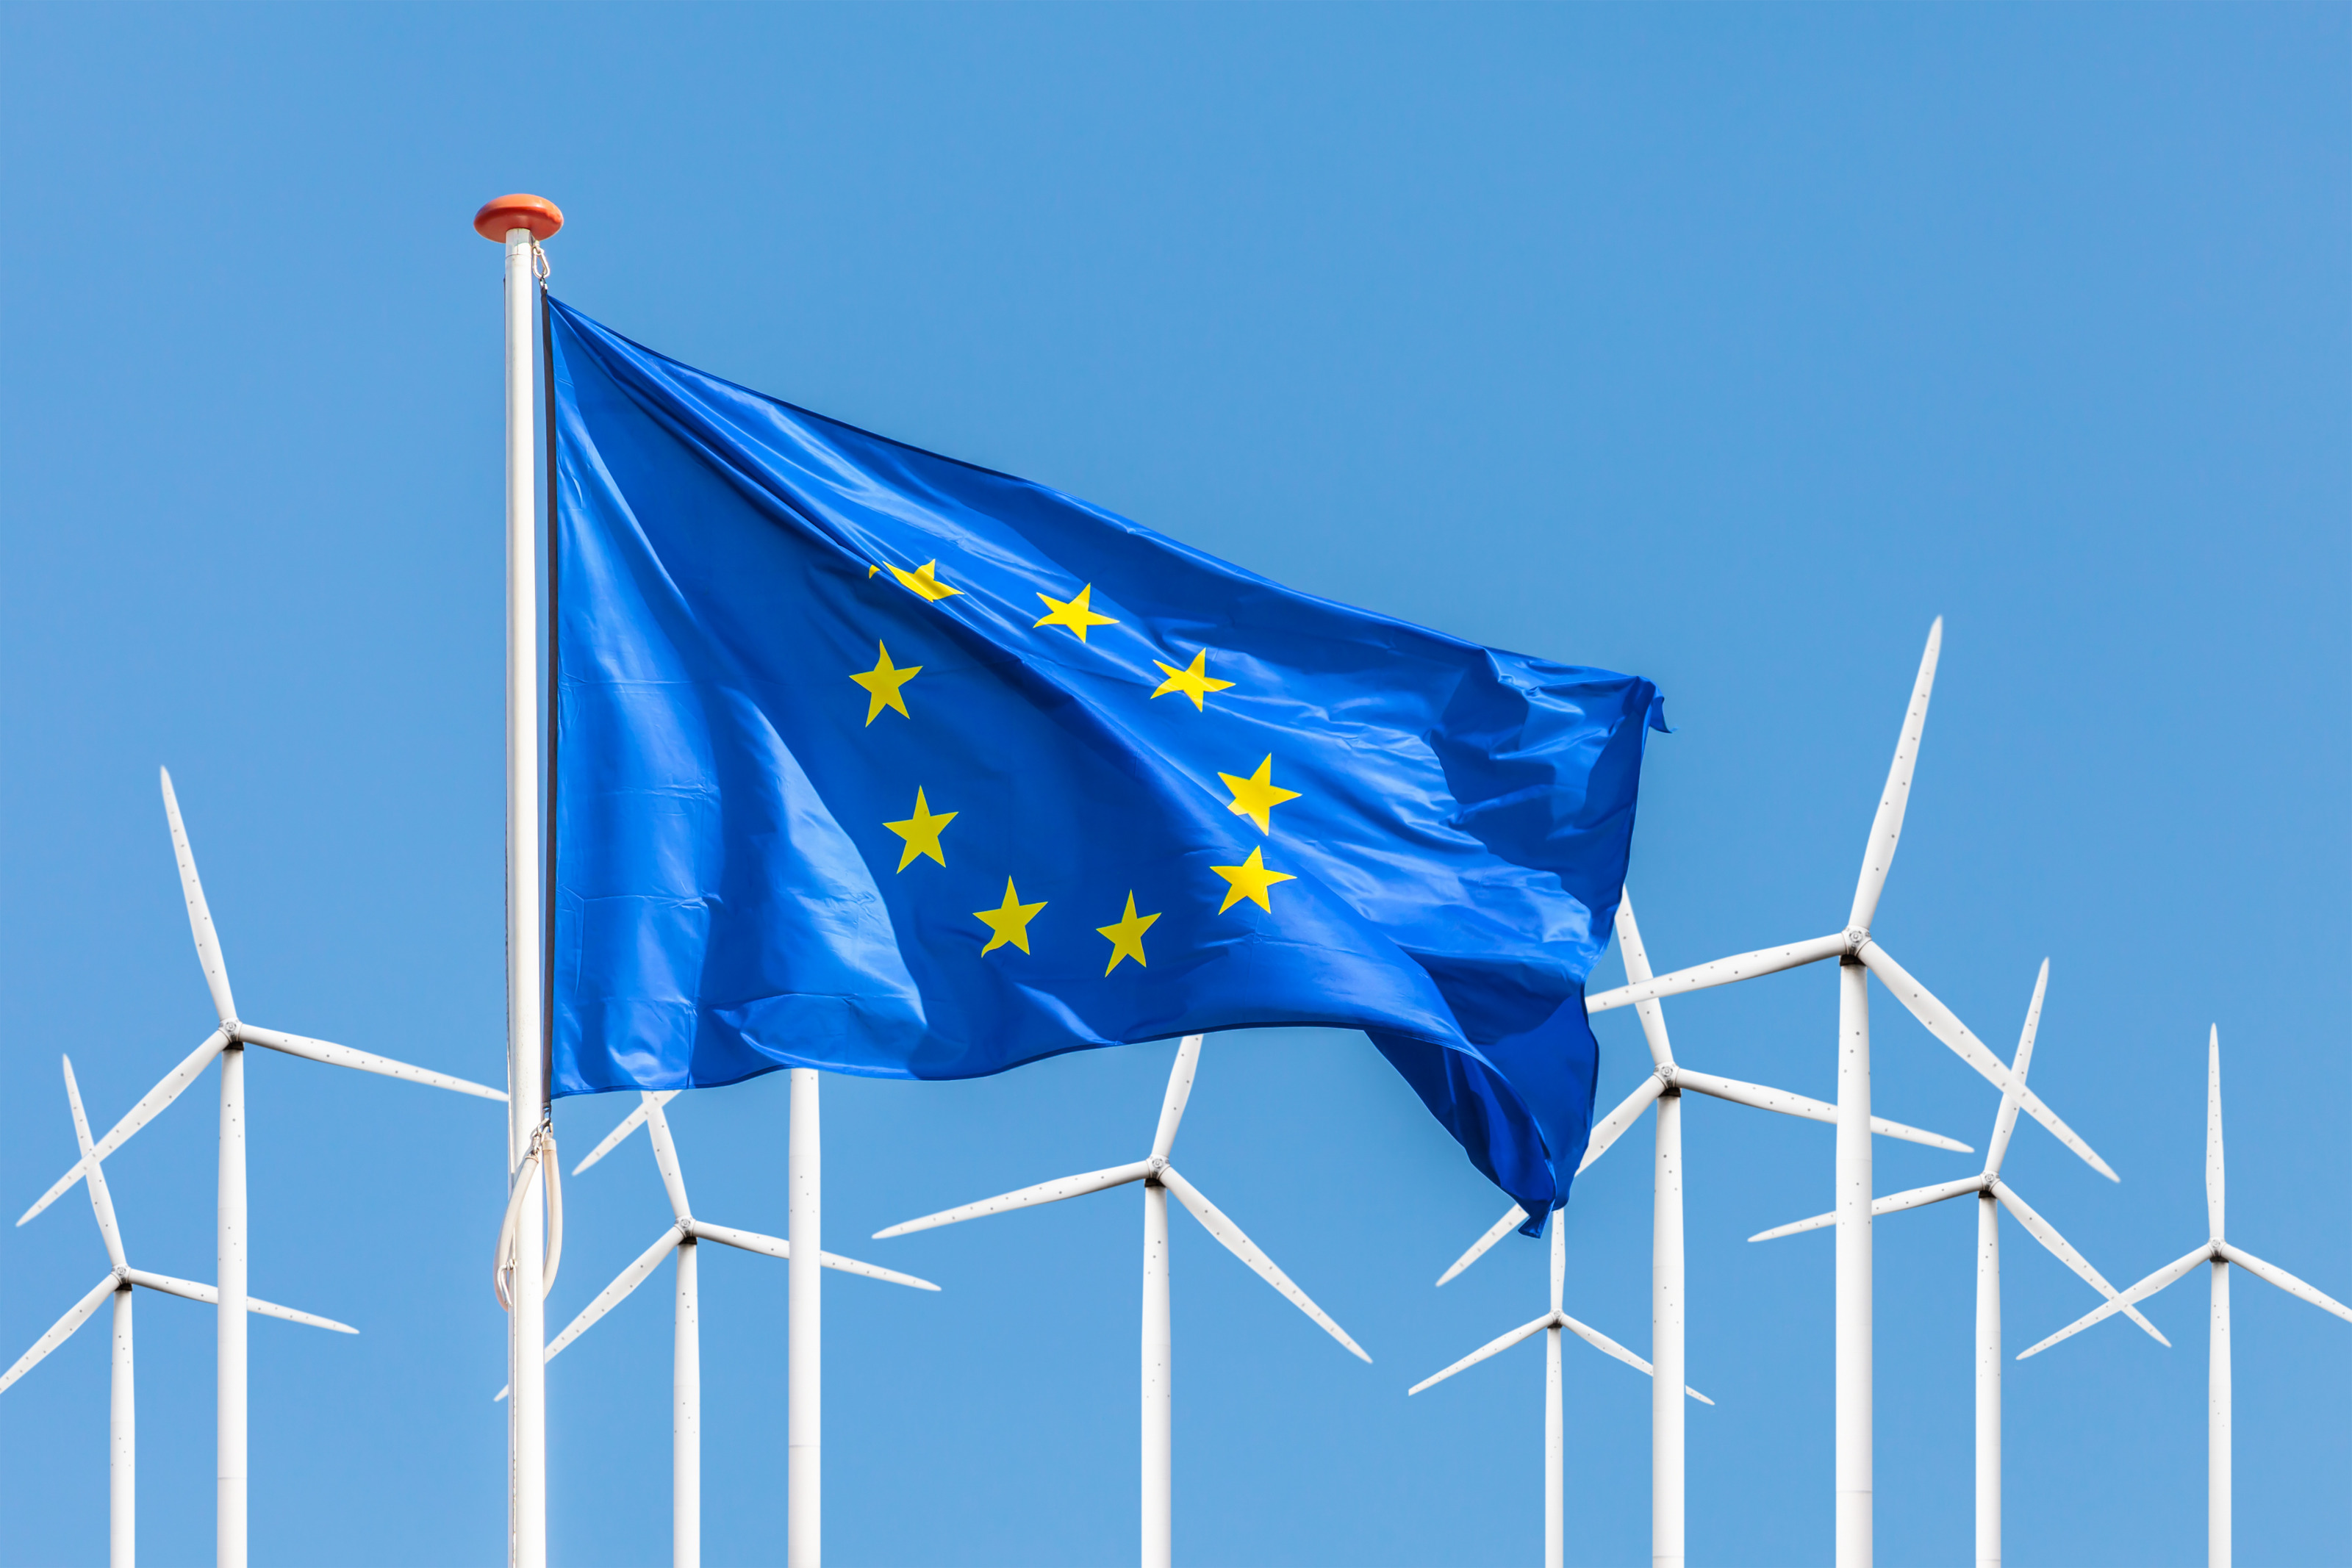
(1662,1090)
(2217,1252)
(227,1042)
(122,1434)
(1860,956)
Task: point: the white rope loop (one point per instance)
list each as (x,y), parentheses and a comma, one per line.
(542,1156)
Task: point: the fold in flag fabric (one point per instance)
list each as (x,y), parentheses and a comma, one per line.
(871,760)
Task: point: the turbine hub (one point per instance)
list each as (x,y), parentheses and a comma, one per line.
(1857,937)
(1157,1165)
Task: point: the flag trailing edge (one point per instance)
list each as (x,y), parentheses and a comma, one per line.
(876,761)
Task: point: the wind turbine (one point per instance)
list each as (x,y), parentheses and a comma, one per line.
(1158,1178)
(1992,1195)
(2217,1251)
(686,1376)
(1555,1456)
(1664,1088)
(1859,956)
(228,1042)
(122,1425)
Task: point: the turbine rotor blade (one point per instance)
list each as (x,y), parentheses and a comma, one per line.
(1495,1232)
(190,1291)
(365,1061)
(200,915)
(1026,1198)
(777,1247)
(1886,828)
(138,1115)
(614,1294)
(2273,1274)
(1492,1347)
(666,1158)
(62,1330)
(102,1202)
(1605,1344)
(1894,1203)
(2216,1190)
(1769,1099)
(2058,1247)
(2004,1121)
(1946,1026)
(1722,972)
(1179,1090)
(1615,1124)
(1230,1237)
(2170,1274)
(629,1123)
(1637,969)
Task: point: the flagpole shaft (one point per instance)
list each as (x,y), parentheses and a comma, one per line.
(526,1059)
(123,1445)
(1159,1394)
(1854,1303)
(1987,1381)
(686,1417)
(229,1318)
(1666,1359)
(804,1332)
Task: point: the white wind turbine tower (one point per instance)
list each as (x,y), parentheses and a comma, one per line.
(1992,1195)
(2217,1251)
(1859,956)
(1664,1088)
(1158,1178)
(228,1042)
(1555,1451)
(686,1376)
(122,1426)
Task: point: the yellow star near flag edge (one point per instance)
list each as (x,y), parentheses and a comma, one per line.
(921,832)
(1257,795)
(1075,614)
(883,684)
(1009,921)
(1196,683)
(1127,936)
(1250,880)
(924,580)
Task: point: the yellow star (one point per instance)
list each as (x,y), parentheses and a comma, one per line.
(1008,920)
(1196,683)
(1257,795)
(1074,613)
(1127,936)
(882,684)
(921,832)
(921,580)
(1249,880)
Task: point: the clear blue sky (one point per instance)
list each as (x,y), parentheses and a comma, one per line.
(1725,346)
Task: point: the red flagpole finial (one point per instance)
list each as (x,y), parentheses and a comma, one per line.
(537,214)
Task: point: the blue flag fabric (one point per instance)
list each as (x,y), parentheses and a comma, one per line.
(872,760)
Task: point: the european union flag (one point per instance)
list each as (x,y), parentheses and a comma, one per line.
(871,760)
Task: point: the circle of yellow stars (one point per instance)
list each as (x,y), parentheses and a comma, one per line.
(1254,795)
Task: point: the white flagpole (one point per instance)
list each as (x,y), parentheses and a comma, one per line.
(519,222)
(804,1332)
